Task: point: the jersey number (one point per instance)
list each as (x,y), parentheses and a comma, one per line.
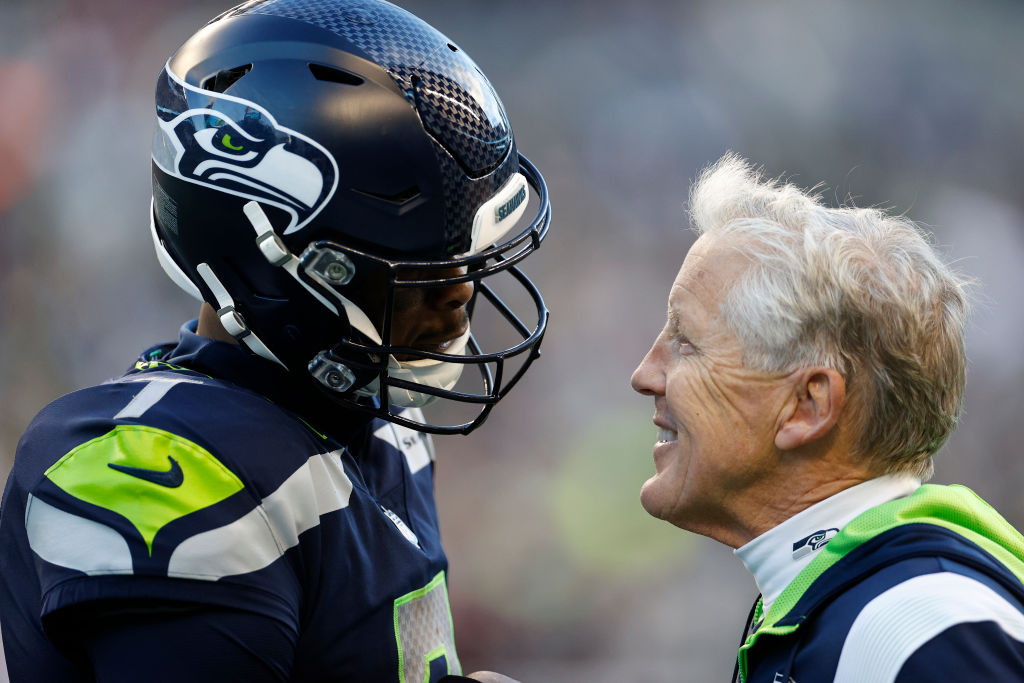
(424,634)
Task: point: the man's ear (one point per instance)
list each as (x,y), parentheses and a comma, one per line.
(819,395)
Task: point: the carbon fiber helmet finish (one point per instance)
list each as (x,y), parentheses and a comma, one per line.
(457,106)
(289,132)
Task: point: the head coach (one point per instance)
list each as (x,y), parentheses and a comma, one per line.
(811,364)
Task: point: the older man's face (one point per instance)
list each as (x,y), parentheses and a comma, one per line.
(715,453)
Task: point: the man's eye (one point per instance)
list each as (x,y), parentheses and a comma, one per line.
(683,345)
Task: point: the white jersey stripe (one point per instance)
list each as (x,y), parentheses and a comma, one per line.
(255,540)
(68,540)
(417,447)
(264,534)
(156,388)
(897,622)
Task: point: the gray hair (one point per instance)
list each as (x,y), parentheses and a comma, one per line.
(853,289)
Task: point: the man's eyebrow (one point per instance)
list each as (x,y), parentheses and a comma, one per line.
(673,319)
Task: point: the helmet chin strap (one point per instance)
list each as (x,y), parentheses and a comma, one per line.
(277,254)
(437,374)
(232,321)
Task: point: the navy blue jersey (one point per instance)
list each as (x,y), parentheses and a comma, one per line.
(192,480)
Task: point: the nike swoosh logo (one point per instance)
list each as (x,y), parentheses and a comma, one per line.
(172,478)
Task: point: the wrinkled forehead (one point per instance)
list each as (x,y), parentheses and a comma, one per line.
(709,271)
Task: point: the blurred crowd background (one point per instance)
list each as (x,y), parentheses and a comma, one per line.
(557,573)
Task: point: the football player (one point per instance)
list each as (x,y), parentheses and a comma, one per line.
(338,184)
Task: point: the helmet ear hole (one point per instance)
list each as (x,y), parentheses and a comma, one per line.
(225,78)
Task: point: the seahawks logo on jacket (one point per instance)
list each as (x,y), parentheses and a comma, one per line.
(808,544)
(235,146)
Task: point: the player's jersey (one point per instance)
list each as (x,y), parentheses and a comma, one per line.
(189,479)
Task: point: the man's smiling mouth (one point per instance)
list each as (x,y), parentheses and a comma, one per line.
(667,435)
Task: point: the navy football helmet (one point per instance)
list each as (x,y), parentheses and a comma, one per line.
(311,160)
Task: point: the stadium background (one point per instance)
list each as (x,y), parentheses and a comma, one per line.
(557,574)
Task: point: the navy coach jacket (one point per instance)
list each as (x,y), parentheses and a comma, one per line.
(922,588)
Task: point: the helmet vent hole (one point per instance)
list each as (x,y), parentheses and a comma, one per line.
(400,197)
(322,72)
(452,48)
(222,80)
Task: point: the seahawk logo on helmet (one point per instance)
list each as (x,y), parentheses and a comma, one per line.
(236,146)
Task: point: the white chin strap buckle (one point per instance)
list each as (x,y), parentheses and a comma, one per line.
(232,321)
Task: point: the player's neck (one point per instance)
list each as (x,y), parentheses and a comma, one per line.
(209,326)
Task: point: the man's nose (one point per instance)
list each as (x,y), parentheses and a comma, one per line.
(453,297)
(450,297)
(648,378)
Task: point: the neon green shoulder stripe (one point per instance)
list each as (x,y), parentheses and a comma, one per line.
(147,475)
